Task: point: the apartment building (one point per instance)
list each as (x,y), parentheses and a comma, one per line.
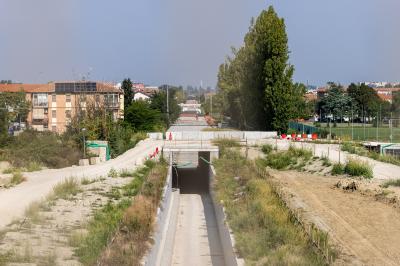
(54,105)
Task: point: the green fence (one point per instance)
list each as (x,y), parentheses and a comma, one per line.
(302,128)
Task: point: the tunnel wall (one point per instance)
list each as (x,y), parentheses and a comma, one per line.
(165,226)
(226,238)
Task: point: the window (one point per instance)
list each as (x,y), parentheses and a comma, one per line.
(111,100)
(46,111)
(68,98)
(54,128)
(40,100)
(68,113)
(53,113)
(54,98)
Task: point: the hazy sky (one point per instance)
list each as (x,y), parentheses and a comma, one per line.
(184,41)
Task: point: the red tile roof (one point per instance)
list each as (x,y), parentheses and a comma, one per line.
(29,88)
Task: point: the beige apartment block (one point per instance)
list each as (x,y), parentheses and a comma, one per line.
(54,105)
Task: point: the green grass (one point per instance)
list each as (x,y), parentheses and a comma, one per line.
(337,169)
(393,183)
(261,223)
(358,168)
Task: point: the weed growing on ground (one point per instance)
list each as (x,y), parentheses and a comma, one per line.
(126,173)
(17,178)
(34,166)
(358,168)
(65,190)
(87,181)
(113,173)
(337,169)
(393,183)
(325,161)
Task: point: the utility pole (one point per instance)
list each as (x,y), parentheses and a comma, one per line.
(168,103)
(391,127)
(352,128)
(377,131)
(211,104)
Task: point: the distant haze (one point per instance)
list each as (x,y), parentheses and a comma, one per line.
(183,42)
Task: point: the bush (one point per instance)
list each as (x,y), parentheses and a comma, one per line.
(267,149)
(284,159)
(337,169)
(32,148)
(358,168)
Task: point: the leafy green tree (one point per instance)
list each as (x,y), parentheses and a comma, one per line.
(128,92)
(256,82)
(366,99)
(337,103)
(13,108)
(159,103)
(140,116)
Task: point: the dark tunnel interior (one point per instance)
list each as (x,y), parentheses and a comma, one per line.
(193,180)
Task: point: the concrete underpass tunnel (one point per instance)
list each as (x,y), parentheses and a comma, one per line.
(190,179)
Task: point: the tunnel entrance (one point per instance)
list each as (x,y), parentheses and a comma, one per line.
(192,180)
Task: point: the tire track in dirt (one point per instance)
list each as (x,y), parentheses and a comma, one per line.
(364,227)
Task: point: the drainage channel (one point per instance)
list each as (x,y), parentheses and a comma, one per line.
(197,240)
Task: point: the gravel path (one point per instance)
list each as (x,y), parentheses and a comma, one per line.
(15,200)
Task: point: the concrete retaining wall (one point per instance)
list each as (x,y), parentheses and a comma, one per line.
(164,234)
(225,234)
(210,135)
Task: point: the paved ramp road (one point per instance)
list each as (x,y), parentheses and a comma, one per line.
(197,241)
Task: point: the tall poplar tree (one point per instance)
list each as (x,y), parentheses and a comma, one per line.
(256,82)
(128,93)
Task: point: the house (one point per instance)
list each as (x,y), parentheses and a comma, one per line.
(53,105)
(141,96)
(145,93)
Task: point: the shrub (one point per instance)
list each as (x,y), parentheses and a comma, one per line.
(267,149)
(337,169)
(358,168)
(41,148)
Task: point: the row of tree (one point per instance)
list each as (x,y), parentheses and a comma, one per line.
(359,102)
(256,90)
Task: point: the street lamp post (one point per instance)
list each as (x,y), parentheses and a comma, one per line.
(84,142)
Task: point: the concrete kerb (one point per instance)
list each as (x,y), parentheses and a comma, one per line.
(164,233)
(225,233)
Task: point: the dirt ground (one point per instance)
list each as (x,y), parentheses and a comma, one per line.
(48,241)
(365,229)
